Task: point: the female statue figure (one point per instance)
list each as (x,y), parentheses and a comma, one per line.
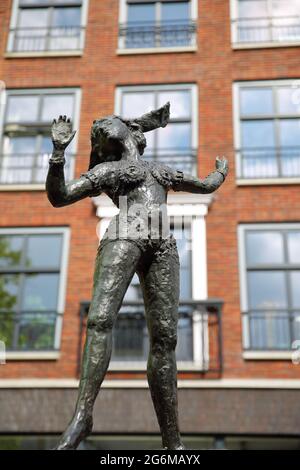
(117,169)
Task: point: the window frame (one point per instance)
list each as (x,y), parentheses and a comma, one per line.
(14,21)
(42,92)
(167,87)
(237,119)
(61,294)
(242,231)
(144,50)
(254,45)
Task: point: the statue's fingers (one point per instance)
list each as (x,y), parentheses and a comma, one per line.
(60,118)
(64,118)
(54,121)
(68,120)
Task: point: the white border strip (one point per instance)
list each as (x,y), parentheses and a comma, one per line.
(280,384)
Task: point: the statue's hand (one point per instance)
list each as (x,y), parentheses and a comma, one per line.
(222,166)
(61,133)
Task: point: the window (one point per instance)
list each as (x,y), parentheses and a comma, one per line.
(151,24)
(270,279)
(32,277)
(26,144)
(266,21)
(267,130)
(47,25)
(174,145)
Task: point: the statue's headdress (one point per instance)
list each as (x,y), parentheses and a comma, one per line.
(146,123)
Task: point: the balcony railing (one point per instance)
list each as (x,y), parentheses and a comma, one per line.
(199,336)
(137,35)
(273,29)
(28,330)
(269,162)
(34,39)
(29,168)
(273,329)
(184,159)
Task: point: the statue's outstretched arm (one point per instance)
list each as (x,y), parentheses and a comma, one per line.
(213,181)
(59,192)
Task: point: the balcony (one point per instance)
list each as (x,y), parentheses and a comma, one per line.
(199,346)
(29,168)
(272,330)
(273,30)
(36,39)
(184,159)
(169,34)
(264,163)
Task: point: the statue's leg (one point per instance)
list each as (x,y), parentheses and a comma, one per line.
(116,264)
(160,283)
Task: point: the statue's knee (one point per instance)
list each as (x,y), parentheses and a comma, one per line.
(163,341)
(100,323)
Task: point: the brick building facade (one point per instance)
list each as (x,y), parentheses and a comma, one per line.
(231,70)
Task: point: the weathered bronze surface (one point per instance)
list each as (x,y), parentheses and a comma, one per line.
(138,240)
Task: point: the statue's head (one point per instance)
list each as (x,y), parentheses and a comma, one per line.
(110,134)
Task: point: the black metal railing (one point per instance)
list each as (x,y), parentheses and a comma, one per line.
(136,35)
(199,333)
(281,162)
(36,39)
(272,29)
(184,159)
(28,330)
(273,329)
(29,168)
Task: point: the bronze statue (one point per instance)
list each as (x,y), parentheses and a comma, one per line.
(117,169)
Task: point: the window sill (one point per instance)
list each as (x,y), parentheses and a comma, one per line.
(156,50)
(264,45)
(18,55)
(266,181)
(22,187)
(32,356)
(268,355)
(129,366)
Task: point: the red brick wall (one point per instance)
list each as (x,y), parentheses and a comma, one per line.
(214,67)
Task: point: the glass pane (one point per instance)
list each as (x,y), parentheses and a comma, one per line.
(44,251)
(285,7)
(258,101)
(258,134)
(293,239)
(32,30)
(175,11)
(65,32)
(136,104)
(175,137)
(22,108)
(24,145)
(264,248)
(34,18)
(295,288)
(180,102)
(7,328)
(40,292)
(269,330)
(55,105)
(140,13)
(252,8)
(9,290)
(36,331)
(18,160)
(10,250)
(290,132)
(288,101)
(66,17)
(267,290)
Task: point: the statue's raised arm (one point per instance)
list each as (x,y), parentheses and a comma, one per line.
(59,192)
(211,183)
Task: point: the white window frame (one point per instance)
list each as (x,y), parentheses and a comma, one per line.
(244,305)
(237,131)
(13,24)
(172,87)
(179,204)
(47,91)
(65,232)
(251,45)
(152,50)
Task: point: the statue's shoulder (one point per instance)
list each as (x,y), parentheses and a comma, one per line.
(102,176)
(164,174)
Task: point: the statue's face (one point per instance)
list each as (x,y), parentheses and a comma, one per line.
(112,130)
